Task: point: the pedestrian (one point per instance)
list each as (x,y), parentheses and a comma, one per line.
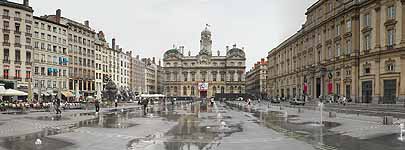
(116,102)
(212,101)
(97,105)
(249,101)
(57,106)
(145,106)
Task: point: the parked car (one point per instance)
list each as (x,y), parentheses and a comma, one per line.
(296,101)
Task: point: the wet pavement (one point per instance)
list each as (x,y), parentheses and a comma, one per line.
(197,127)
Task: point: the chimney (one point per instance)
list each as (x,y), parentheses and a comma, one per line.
(160,63)
(153,60)
(26,3)
(113,43)
(262,61)
(189,53)
(234,45)
(219,53)
(137,57)
(117,47)
(86,23)
(227,49)
(58,15)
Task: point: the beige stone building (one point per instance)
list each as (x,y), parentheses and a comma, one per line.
(16,49)
(137,78)
(256,79)
(223,73)
(101,61)
(353,48)
(81,50)
(51,60)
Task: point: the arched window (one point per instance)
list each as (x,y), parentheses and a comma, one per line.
(192,91)
(214,90)
(231,89)
(222,90)
(175,90)
(185,91)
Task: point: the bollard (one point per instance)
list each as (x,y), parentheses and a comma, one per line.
(332,114)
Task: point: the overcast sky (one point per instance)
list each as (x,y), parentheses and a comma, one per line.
(150,27)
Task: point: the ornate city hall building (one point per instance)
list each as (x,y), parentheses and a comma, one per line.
(352,48)
(205,74)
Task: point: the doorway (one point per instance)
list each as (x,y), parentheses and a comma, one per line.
(390,88)
(367,91)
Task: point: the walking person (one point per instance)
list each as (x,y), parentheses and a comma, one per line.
(57,106)
(97,105)
(145,106)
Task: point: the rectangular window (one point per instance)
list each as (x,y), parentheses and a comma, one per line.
(6,38)
(349,25)
(28,56)
(338,50)
(5,73)
(6,12)
(6,24)
(6,55)
(329,52)
(349,46)
(367,42)
(390,38)
(17,27)
(367,20)
(391,12)
(338,30)
(17,56)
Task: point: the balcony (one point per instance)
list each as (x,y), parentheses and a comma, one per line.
(17,62)
(6,44)
(6,17)
(28,21)
(6,30)
(17,19)
(17,45)
(28,34)
(6,61)
(28,63)
(28,47)
(18,78)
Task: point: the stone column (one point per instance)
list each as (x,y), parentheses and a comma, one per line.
(377,89)
(403,22)
(402,80)
(377,27)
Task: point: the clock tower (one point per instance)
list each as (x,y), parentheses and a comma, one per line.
(206,42)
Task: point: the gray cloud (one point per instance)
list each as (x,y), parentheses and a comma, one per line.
(149,27)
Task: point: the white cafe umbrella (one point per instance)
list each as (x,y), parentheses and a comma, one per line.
(12,92)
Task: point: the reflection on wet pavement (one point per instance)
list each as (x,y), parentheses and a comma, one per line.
(322,137)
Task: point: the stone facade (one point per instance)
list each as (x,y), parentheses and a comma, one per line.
(137,78)
(256,79)
(16,44)
(353,48)
(119,61)
(223,73)
(51,59)
(101,61)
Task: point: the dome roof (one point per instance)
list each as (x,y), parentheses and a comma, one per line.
(236,51)
(172,51)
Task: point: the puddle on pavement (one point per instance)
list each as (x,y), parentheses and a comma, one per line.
(15,113)
(312,133)
(189,133)
(50,118)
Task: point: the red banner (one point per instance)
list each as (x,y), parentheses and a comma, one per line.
(330,87)
(305,87)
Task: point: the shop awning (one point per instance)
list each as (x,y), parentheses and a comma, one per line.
(67,94)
